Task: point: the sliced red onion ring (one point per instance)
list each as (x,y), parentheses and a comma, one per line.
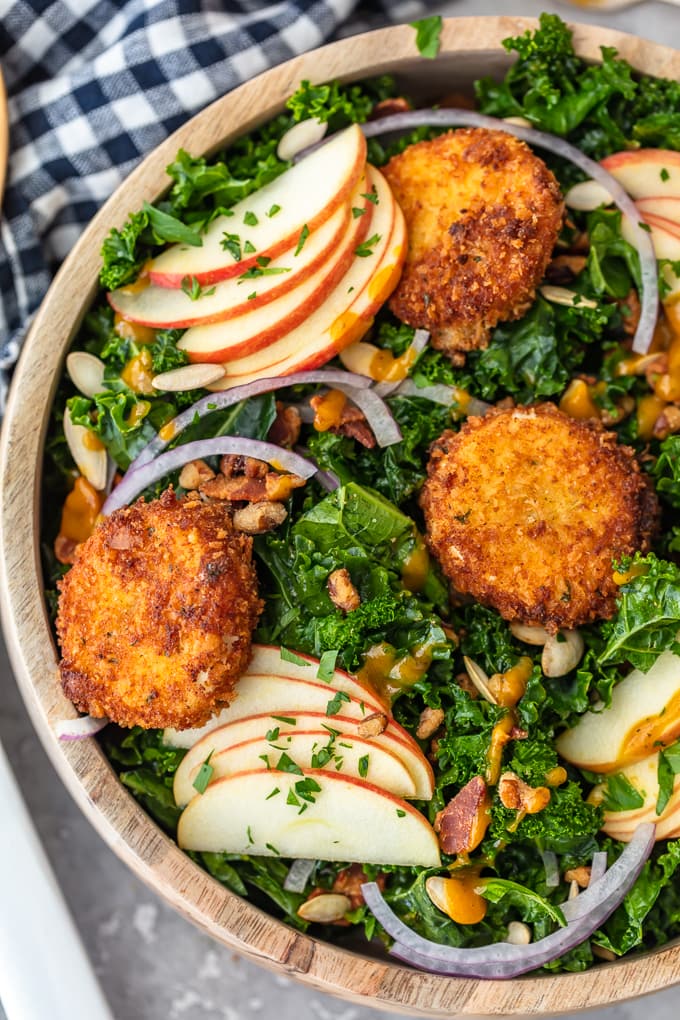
(452,118)
(78,729)
(501,959)
(328,480)
(572,909)
(298,875)
(598,866)
(227,398)
(139,479)
(378,414)
(420,341)
(552,870)
(439,393)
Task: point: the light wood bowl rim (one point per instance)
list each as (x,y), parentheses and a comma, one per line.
(81,765)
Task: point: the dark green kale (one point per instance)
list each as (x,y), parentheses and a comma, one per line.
(601,108)
(666,471)
(648,616)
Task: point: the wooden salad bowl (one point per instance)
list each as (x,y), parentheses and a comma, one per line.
(470,48)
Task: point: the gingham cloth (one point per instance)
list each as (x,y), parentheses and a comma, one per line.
(94,85)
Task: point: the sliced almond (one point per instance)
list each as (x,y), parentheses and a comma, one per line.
(325,909)
(188,377)
(587,195)
(564,296)
(300,136)
(91,460)
(86,372)
(529,633)
(480,679)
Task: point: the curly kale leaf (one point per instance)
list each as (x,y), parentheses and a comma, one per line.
(648,616)
(339,105)
(666,471)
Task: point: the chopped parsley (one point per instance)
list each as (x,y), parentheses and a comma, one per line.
(401,813)
(204,775)
(249,248)
(273,210)
(366,248)
(232,244)
(297,660)
(326,670)
(289,719)
(428,33)
(277,789)
(286,764)
(357,212)
(333,706)
(304,234)
(250,219)
(664,174)
(363,766)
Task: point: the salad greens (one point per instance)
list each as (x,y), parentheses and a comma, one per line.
(370,525)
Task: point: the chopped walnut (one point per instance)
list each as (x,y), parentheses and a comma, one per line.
(429,722)
(564,269)
(630,309)
(579,875)
(463,822)
(342,592)
(257,518)
(194,474)
(285,430)
(622,409)
(519,796)
(388,108)
(372,725)
(668,422)
(350,880)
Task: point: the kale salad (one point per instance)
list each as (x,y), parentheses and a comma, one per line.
(442,659)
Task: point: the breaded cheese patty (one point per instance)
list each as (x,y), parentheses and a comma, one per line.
(156,614)
(526,509)
(483,214)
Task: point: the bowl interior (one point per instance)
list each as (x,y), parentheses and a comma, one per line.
(470,48)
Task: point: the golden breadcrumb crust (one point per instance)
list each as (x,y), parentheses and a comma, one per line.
(526,509)
(483,214)
(156,614)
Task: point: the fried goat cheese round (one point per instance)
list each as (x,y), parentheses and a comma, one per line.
(483,214)
(156,615)
(527,509)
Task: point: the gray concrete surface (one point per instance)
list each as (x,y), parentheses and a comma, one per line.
(154,965)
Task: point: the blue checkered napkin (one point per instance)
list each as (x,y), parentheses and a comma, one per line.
(96,84)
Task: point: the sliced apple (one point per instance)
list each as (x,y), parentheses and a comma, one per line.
(666,244)
(165,308)
(271,220)
(665,210)
(643,777)
(343,318)
(646,172)
(269,659)
(216,738)
(259,327)
(349,820)
(352,755)
(644,715)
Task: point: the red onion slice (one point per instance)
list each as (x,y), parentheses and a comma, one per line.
(138,479)
(227,398)
(420,341)
(501,959)
(378,414)
(298,875)
(80,728)
(552,870)
(643,242)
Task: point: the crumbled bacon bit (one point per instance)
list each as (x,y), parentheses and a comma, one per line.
(429,722)
(285,429)
(342,592)
(232,464)
(351,422)
(350,880)
(463,822)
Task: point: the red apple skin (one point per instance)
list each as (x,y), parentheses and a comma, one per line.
(352,325)
(275,650)
(224,271)
(287,282)
(661,223)
(646,165)
(357,232)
